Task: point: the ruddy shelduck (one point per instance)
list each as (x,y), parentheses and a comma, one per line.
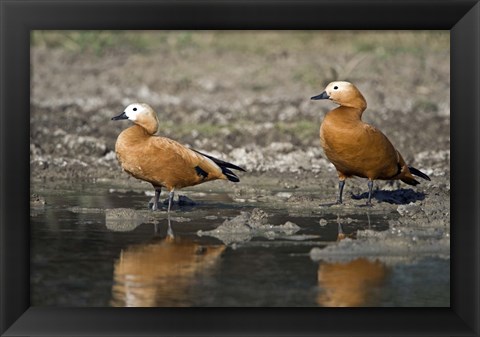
(356,148)
(161,161)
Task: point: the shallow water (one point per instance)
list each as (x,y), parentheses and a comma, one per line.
(92,246)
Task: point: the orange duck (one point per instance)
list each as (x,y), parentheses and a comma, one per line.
(356,148)
(161,161)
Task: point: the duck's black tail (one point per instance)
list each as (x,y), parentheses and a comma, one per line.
(225,166)
(418,173)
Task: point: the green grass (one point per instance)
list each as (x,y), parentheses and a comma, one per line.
(391,43)
(380,43)
(95,42)
(304,130)
(425,105)
(308,74)
(185,129)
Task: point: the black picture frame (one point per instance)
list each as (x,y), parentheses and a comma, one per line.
(19,17)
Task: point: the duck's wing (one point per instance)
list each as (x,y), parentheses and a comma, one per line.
(404,172)
(206,166)
(224,166)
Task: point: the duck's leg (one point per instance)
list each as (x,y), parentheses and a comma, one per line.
(170,199)
(154,200)
(370,187)
(341,184)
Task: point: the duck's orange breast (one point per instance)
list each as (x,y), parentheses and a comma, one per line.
(356,148)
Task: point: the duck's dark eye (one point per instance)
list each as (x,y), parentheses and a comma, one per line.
(134,109)
(335,87)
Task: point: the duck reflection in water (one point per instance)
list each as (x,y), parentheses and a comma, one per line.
(162,272)
(350,283)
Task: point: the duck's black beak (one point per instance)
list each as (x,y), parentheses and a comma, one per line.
(121,116)
(323,95)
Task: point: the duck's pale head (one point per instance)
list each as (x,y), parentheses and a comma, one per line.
(141,114)
(343,93)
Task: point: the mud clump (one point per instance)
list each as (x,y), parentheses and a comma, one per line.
(248,225)
(397,242)
(409,210)
(124,219)
(37,201)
